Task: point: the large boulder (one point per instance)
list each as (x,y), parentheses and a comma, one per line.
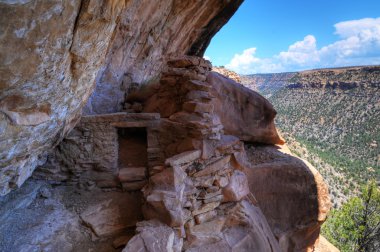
(54,54)
(291,193)
(243,112)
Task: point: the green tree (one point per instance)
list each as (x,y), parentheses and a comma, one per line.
(356,225)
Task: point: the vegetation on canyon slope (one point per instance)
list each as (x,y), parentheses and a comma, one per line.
(339,125)
(334,114)
(356,225)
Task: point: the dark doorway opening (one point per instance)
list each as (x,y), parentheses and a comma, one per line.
(132,147)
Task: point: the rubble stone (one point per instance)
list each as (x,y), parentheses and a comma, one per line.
(213,167)
(132,174)
(206,208)
(112,217)
(237,188)
(152,236)
(183,158)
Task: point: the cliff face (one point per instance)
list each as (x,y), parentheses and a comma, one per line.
(341,78)
(54,57)
(228,73)
(266,84)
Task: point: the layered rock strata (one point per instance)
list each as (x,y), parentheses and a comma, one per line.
(55,54)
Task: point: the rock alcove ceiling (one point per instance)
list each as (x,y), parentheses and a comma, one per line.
(58,56)
(77,75)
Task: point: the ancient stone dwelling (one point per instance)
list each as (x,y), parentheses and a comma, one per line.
(117,136)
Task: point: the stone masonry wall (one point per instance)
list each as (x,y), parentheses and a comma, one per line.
(201,194)
(89,154)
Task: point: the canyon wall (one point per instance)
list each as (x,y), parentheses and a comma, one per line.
(266,84)
(331,118)
(58,55)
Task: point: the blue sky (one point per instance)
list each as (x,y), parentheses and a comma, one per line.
(293,35)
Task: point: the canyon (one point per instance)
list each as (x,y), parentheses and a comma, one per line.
(116,135)
(330,117)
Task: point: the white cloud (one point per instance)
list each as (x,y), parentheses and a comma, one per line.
(300,53)
(359,44)
(207,58)
(244,61)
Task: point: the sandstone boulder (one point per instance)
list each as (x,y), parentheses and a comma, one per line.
(292,195)
(243,112)
(113,216)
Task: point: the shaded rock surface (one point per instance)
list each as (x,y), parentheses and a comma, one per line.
(55,56)
(50,57)
(152,236)
(113,216)
(291,194)
(39,217)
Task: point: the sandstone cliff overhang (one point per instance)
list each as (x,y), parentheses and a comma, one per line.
(56,54)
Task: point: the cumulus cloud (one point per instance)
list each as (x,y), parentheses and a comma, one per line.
(301,53)
(358,44)
(207,58)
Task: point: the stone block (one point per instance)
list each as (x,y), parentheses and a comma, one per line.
(214,167)
(153,236)
(183,158)
(198,107)
(206,208)
(216,198)
(237,188)
(197,85)
(134,185)
(201,218)
(198,95)
(112,216)
(130,174)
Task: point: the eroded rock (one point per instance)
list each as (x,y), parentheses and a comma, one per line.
(237,188)
(152,236)
(112,216)
(292,195)
(243,112)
